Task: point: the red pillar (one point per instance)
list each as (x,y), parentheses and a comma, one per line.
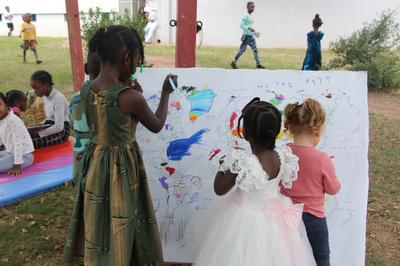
(75,43)
(185,51)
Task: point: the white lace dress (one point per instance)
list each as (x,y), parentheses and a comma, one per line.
(256,225)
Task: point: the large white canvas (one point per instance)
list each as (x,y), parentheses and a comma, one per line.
(182,185)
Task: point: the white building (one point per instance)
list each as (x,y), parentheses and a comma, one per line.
(50,14)
(282,23)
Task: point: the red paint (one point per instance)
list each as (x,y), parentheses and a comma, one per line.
(214,153)
(232,120)
(170,170)
(75,43)
(185,51)
(176,104)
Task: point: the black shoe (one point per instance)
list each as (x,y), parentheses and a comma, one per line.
(233,65)
(38,62)
(259,66)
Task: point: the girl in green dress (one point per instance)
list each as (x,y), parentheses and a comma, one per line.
(113,221)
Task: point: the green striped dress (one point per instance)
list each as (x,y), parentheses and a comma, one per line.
(113,222)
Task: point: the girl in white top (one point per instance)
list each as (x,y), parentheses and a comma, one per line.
(256,225)
(16,140)
(55,108)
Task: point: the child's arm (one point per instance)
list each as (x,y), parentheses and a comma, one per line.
(244,24)
(224,180)
(330,181)
(133,102)
(59,118)
(17,127)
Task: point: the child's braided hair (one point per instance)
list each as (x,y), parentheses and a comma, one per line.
(262,121)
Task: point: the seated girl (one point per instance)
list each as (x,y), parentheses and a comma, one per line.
(16,140)
(56,110)
(17,102)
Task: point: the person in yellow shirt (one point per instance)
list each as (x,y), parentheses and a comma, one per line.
(28,32)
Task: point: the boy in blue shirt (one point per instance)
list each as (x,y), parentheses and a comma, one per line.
(248,37)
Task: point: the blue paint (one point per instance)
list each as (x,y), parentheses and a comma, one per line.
(153,97)
(202,102)
(194,197)
(179,148)
(168,127)
(163,181)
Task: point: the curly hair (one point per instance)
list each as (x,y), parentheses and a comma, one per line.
(307,117)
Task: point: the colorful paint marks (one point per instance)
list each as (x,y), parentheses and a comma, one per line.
(153,97)
(213,153)
(236,133)
(201,103)
(163,182)
(179,148)
(232,120)
(188,89)
(176,105)
(170,170)
(277,100)
(168,127)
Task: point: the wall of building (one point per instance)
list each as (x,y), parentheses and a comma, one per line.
(282,23)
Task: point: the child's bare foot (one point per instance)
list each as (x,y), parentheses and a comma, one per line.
(38,62)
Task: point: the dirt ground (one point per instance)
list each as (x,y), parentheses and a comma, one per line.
(384,104)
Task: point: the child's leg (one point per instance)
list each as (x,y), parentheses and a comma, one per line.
(243,47)
(317,232)
(152,29)
(253,45)
(34,50)
(25,47)
(6,161)
(146,30)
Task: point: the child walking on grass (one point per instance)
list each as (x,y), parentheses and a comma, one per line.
(28,32)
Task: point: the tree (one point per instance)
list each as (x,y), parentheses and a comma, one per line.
(374,48)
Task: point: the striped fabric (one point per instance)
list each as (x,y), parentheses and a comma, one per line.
(54,139)
(113,222)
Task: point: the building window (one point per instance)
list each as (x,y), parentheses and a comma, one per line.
(1,17)
(33,17)
(65,18)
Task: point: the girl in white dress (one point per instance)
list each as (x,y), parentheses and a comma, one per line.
(256,225)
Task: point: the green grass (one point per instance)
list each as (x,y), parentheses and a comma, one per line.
(277,58)
(383,227)
(55,55)
(33,232)
(16,75)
